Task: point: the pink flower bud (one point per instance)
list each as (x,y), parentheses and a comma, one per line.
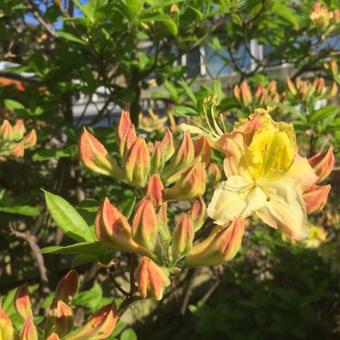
(30,140)
(61,318)
(222,245)
(167,145)
(99,326)
(323,163)
(198,213)
(18,150)
(316,197)
(6,130)
(183,157)
(6,327)
(22,303)
(67,287)
(137,163)
(190,185)
(203,150)
(53,336)
(28,330)
(155,189)
(94,156)
(183,236)
(126,133)
(112,228)
(144,224)
(151,278)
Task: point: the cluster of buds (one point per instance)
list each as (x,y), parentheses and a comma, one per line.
(316,89)
(263,96)
(13,140)
(324,19)
(333,69)
(152,122)
(59,321)
(140,160)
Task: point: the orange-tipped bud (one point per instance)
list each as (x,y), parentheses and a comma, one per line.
(144,224)
(272,87)
(19,128)
(30,140)
(126,133)
(203,150)
(320,16)
(151,278)
(22,303)
(162,221)
(99,326)
(183,157)
(183,236)
(291,87)
(155,189)
(61,317)
(190,185)
(6,326)
(6,130)
(157,159)
(316,198)
(137,163)
(246,96)
(198,213)
(214,173)
(167,145)
(323,163)
(67,287)
(28,330)
(333,90)
(94,156)
(53,336)
(237,92)
(222,245)
(18,150)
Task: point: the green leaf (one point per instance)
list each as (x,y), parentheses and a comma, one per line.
(134,6)
(189,91)
(68,219)
(127,206)
(47,154)
(128,334)
(70,37)
(183,111)
(78,248)
(324,113)
(13,105)
(25,210)
(290,109)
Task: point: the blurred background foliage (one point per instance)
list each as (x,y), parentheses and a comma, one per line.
(67,63)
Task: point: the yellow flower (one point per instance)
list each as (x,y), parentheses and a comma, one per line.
(265,176)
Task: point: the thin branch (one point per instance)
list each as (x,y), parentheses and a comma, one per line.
(188,291)
(117,285)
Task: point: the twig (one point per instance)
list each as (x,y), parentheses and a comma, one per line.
(189,291)
(117,285)
(32,241)
(210,291)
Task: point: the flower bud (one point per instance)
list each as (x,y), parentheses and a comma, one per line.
(162,221)
(155,189)
(222,245)
(333,90)
(30,140)
(272,87)
(18,150)
(214,173)
(112,228)
(316,197)
(198,213)
(320,16)
(53,336)
(126,134)
(6,326)
(137,163)
(183,236)
(6,130)
(28,330)
(67,287)
(144,224)
(22,303)
(19,128)
(291,87)
(151,278)
(183,157)
(157,159)
(323,163)
(94,156)
(246,96)
(203,150)
(191,184)
(61,318)
(99,326)
(167,145)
